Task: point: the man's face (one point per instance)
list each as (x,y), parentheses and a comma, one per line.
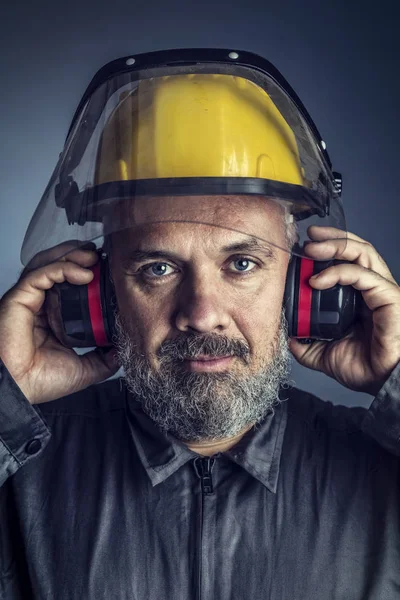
(195,290)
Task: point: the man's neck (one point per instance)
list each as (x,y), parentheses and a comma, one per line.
(210,448)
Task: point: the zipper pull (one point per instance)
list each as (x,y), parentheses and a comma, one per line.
(203,467)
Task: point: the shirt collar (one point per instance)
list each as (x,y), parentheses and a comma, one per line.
(258,452)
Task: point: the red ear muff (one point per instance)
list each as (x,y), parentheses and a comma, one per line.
(82,316)
(318,314)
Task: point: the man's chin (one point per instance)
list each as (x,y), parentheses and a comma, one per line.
(200,406)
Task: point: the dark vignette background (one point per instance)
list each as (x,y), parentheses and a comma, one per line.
(342,58)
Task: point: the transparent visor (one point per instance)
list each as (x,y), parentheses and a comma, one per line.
(205,149)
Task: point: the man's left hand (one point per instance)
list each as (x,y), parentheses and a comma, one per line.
(365,357)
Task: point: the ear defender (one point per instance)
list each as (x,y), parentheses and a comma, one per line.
(318,314)
(83,315)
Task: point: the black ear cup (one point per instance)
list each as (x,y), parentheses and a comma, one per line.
(318,314)
(84,315)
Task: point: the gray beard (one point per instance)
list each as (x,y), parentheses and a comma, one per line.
(203,406)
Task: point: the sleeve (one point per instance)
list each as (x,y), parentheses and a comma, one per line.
(23,433)
(382,420)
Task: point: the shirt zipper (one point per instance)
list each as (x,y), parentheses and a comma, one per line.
(203,468)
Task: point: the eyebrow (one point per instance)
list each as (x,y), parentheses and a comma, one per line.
(250,244)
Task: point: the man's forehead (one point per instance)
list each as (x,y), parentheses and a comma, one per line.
(216,217)
(181,237)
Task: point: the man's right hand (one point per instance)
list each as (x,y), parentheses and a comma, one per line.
(40,365)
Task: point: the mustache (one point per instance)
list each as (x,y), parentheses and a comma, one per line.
(193,346)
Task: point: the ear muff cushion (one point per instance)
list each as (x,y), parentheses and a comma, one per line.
(102,304)
(96,313)
(305,294)
(298,297)
(291,295)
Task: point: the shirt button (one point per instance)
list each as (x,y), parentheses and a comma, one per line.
(33,446)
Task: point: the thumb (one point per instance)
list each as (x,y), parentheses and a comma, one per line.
(307,355)
(100,364)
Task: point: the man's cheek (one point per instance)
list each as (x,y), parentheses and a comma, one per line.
(151,329)
(261,326)
(259,315)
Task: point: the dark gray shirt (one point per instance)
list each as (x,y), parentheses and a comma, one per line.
(97,504)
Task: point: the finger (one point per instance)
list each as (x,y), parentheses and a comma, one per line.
(30,290)
(54,253)
(377,291)
(309,356)
(361,253)
(317,233)
(84,258)
(98,365)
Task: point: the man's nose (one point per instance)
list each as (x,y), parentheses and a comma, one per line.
(202,306)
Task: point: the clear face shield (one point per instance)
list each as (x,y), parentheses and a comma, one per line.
(187,136)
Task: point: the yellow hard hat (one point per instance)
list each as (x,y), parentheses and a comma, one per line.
(164,127)
(197,125)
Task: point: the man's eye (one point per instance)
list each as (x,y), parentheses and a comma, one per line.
(156,270)
(242,263)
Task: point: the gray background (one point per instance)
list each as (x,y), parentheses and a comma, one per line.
(340,57)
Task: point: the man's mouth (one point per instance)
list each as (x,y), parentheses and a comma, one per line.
(207,357)
(208,363)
